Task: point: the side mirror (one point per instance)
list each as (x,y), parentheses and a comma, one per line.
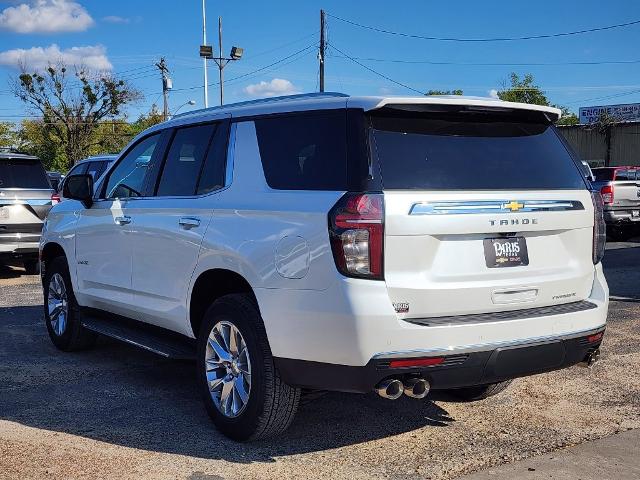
(79,187)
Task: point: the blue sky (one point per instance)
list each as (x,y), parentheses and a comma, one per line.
(130,36)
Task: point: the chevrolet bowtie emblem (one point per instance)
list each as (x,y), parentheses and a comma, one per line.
(513,206)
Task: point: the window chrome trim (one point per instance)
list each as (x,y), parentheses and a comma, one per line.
(493,206)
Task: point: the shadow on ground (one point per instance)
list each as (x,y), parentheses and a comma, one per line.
(123,396)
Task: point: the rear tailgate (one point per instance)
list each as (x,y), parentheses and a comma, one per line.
(484,212)
(626,189)
(436,264)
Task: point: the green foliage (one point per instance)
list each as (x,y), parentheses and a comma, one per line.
(523,90)
(74,109)
(7,134)
(444,92)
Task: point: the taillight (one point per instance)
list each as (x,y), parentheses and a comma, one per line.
(356,230)
(607,194)
(55,198)
(599,228)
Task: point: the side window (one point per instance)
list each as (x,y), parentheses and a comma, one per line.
(93,169)
(213,172)
(128,178)
(184,161)
(79,169)
(304,151)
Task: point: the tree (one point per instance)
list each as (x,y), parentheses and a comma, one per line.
(444,92)
(37,138)
(73,111)
(568,117)
(523,90)
(7,134)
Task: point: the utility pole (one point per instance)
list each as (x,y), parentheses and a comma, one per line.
(322,49)
(204,58)
(166,86)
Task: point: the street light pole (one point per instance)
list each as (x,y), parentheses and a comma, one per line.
(221,67)
(236,54)
(204,59)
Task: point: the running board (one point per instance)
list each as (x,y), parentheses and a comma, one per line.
(148,337)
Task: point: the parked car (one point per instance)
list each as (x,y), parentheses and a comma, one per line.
(620,189)
(55,179)
(329,242)
(25,198)
(95,166)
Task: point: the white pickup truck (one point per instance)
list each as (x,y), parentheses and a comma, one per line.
(620,190)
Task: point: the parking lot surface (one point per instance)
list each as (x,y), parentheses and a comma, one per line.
(116,412)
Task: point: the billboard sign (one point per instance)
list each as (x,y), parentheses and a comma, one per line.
(629,112)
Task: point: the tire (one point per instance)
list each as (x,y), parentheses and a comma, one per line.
(620,234)
(270,404)
(31,266)
(473,394)
(65,329)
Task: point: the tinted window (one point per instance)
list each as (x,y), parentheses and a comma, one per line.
(213,173)
(471,152)
(94,169)
(79,169)
(603,174)
(128,178)
(304,152)
(23,174)
(184,161)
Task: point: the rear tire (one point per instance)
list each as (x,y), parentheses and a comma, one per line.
(620,234)
(473,394)
(261,405)
(61,312)
(31,266)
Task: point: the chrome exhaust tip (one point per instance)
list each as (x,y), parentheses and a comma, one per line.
(416,388)
(591,359)
(391,389)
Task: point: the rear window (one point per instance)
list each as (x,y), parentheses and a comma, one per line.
(305,151)
(445,151)
(603,174)
(625,174)
(23,174)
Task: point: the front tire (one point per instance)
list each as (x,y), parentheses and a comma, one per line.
(61,312)
(31,266)
(239,383)
(480,392)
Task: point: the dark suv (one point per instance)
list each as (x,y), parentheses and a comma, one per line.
(25,199)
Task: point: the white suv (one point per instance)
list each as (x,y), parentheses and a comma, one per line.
(329,242)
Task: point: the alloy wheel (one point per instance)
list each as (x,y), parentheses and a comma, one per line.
(228,369)
(58,304)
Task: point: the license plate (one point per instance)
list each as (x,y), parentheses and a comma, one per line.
(4,212)
(505,252)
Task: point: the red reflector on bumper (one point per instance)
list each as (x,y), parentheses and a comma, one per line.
(416,362)
(595,338)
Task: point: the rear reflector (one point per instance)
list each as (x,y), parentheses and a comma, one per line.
(416,362)
(595,338)
(55,199)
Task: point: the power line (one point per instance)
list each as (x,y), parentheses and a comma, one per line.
(606,97)
(495,64)
(258,70)
(374,71)
(496,39)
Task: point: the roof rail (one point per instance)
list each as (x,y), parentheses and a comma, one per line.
(259,101)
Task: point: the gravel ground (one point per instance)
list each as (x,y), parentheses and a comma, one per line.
(116,412)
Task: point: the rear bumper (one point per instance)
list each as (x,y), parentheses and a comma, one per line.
(463,368)
(616,217)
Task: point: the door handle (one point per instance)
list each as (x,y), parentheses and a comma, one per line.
(125,220)
(189,222)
